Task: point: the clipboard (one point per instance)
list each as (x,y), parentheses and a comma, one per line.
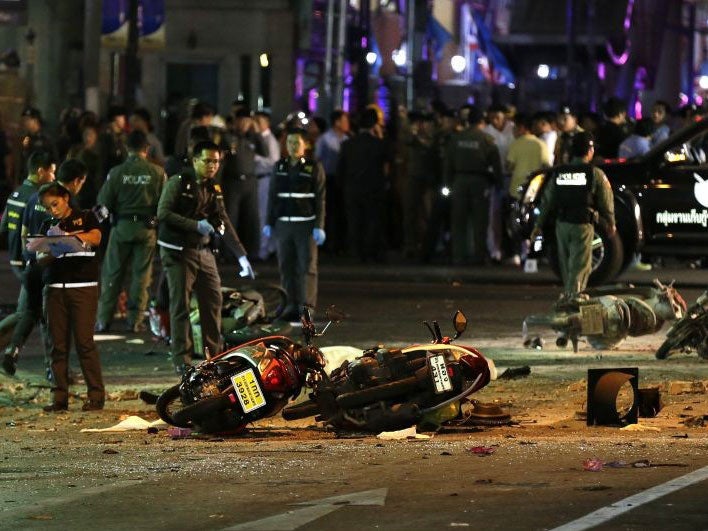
(39,243)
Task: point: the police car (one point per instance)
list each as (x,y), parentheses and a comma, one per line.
(661,205)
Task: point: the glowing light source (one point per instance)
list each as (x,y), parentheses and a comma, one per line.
(543,71)
(371,57)
(458,64)
(264,60)
(399,56)
(703,82)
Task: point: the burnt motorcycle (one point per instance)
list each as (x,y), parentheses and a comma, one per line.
(608,314)
(382,389)
(391,388)
(688,333)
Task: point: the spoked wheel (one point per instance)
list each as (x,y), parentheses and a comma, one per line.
(168,403)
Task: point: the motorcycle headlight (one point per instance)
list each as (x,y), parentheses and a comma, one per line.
(532,189)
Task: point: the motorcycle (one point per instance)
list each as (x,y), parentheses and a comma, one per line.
(391,389)
(382,389)
(688,333)
(608,314)
(246,314)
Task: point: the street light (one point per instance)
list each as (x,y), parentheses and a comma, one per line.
(399,56)
(543,71)
(458,64)
(371,57)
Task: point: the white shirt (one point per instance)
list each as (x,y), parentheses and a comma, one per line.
(265,164)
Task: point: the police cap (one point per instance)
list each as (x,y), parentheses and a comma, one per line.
(581,144)
(32,112)
(567,109)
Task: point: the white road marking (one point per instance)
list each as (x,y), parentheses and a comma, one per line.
(292,520)
(76,495)
(605,514)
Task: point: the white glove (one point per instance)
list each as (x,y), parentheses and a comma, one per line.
(246,269)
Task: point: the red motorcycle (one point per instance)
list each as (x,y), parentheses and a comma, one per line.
(383,389)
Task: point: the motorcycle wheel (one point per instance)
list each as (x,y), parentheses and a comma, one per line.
(274,299)
(666,347)
(194,413)
(167,404)
(301,411)
(374,394)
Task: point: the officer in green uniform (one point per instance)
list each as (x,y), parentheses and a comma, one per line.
(296,217)
(130,194)
(579,194)
(190,213)
(40,168)
(471,166)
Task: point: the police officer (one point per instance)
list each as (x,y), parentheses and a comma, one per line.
(568,128)
(296,217)
(190,211)
(579,194)
(472,165)
(130,194)
(41,168)
(32,139)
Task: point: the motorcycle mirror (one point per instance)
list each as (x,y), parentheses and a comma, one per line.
(459,321)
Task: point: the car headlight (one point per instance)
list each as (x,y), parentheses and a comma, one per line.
(532,189)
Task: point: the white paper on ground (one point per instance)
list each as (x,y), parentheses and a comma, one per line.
(129,424)
(408,433)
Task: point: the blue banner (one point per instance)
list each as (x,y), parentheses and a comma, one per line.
(438,34)
(502,73)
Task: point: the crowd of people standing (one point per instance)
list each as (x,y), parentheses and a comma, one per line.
(432,184)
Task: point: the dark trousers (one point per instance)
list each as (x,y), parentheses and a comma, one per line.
(241,199)
(192,270)
(72,311)
(365,218)
(8,324)
(470,216)
(34,312)
(297,262)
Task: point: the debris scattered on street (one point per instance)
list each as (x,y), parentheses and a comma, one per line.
(408,433)
(131,423)
(178,433)
(515,372)
(639,427)
(483,451)
(682,387)
(593,465)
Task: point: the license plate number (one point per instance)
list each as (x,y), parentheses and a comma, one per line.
(248,391)
(438,373)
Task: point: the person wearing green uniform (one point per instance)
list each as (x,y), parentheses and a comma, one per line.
(130,193)
(472,165)
(190,213)
(580,195)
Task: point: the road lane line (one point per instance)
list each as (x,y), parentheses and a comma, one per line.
(605,514)
(78,495)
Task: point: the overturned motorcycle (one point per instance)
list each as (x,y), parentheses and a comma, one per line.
(688,333)
(608,314)
(384,389)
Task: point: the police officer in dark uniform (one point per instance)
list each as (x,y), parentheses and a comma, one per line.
(579,194)
(568,128)
(472,165)
(191,210)
(41,168)
(32,139)
(296,217)
(72,296)
(131,194)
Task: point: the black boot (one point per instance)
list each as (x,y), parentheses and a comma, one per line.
(9,361)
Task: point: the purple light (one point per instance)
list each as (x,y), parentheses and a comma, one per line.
(698,99)
(346,99)
(683,98)
(312,99)
(621,59)
(638,110)
(364,42)
(601,71)
(299,76)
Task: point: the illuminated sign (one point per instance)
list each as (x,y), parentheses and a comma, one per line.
(694,217)
(700,190)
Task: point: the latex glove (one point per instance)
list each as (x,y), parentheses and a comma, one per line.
(204,227)
(319,236)
(55,230)
(59,248)
(246,269)
(267,231)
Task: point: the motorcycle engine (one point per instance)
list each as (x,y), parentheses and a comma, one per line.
(209,379)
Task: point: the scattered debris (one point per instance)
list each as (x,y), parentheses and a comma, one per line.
(178,433)
(640,427)
(593,465)
(408,433)
(515,372)
(483,451)
(110,451)
(131,423)
(681,387)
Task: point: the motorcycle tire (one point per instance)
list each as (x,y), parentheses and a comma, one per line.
(303,410)
(166,408)
(375,394)
(663,351)
(194,413)
(274,299)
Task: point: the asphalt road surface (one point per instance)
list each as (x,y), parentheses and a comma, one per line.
(277,476)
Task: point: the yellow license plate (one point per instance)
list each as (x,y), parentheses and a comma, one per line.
(248,391)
